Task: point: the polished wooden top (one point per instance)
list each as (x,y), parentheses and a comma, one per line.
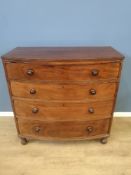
(62,53)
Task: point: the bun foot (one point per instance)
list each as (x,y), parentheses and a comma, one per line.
(104,140)
(23,141)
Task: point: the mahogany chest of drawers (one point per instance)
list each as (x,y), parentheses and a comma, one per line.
(63,92)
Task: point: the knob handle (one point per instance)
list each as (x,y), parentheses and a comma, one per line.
(30,72)
(92,91)
(89,129)
(35,110)
(37,129)
(91,110)
(95,72)
(32,91)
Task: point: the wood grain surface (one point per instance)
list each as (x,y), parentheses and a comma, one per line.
(66,158)
(44,111)
(63,130)
(31,72)
(55,91)
(63,92)
(63,53)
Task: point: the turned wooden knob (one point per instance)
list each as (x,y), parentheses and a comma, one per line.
(35,110)
(92,91)
(30,72)
(37,129)
(95,72)
(32,91)
(91,110)
(89,129)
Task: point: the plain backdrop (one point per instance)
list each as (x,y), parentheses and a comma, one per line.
(67,23)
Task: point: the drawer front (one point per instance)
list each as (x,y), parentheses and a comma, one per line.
(67,130)
(28,71)
(48,91)
(63,111)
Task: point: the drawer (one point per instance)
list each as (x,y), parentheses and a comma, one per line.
(65,130)
(50,91)
(63,111)
(30,71)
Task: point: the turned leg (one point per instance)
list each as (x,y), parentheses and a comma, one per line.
(104,140)
(23,141)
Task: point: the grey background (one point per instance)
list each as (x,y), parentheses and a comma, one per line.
(67,23)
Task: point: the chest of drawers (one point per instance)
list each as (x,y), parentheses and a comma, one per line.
(63,93)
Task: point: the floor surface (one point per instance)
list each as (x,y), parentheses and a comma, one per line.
(66,158)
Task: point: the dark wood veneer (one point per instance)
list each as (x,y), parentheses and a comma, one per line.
(63,54)
(63,92)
